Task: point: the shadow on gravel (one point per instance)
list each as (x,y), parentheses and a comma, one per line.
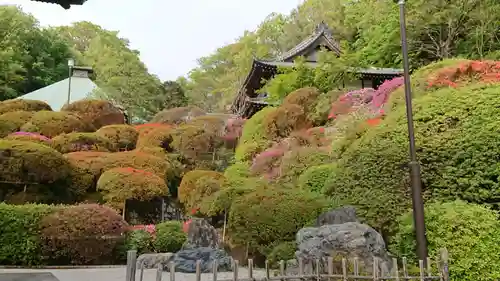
(42,276)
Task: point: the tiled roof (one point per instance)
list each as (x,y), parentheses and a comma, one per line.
(66,4)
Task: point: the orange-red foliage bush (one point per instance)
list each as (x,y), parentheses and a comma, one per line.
(83,234)
(453,76)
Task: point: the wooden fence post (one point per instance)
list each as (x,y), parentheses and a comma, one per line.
(444,265)
(131,261)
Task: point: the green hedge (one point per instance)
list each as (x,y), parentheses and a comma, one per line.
(470,233)
(20,233)
(169,237)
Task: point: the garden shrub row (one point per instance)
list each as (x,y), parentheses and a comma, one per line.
(87,234)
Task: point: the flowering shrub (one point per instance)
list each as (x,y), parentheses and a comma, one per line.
(72,142)
(97,113)
(484,71)
(123,137)
(185,225)
(150,228)
(198,184)
(23,105)
(267,163)
(51,124)
(154,135)
(27,136)
(349,101)
(382,94)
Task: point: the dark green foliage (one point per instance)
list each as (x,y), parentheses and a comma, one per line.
(282,251)
(458,140)
(20,232)
(316,177)
(470,233)
(139,240)
(271,214)
(169,237)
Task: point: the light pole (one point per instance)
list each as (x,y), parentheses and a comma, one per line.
(415,177)
(71,64)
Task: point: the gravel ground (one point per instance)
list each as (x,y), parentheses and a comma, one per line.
(118,274)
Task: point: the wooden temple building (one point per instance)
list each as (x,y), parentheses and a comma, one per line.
(248,101)
(66,4)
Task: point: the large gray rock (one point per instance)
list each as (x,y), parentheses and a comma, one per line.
(185,260)
(201,234)
(337,216)
(347,240)
(148,261)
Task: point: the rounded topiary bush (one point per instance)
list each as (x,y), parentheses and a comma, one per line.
(469,232)
(284,120)
(123,137)
(73,142)
(83,234)
(198,184)
(99,113)
(169,237)
(254,130)
(51,124)
(17,117)
(27,136)
(88,164)
(295,162)
(458,149)
(271,214)
(194,140)
(29,162)
(177,115)
(7,127)
(23,105)
(315,178)
(120,184)
(139,240)
(306,98)
(156,136)
(283,251)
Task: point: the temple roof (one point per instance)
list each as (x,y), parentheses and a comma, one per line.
(66,4)
(322,36)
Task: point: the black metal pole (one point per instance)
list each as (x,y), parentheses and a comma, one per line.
(415,177)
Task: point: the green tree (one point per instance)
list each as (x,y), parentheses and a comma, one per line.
(30,57)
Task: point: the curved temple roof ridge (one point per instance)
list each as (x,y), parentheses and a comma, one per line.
(66,4)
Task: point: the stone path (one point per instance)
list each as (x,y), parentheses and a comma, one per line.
(118,274)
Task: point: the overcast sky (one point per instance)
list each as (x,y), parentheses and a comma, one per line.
(170,34)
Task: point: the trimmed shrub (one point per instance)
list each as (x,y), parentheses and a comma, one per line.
(315,178)
(74,142)
(27,136)
(7,127)
(253,137)
(139,240)
(99,113)
(51,124)
(29,162)
(283,251)
(284,120)
(269,215)
(157,136)
(20,233)
(194,141)
(123,137)
(83,234)
(470,233)
(295,162)
(17,117)
(177,115)
(23,105)
(196,185)
(87,166)
(306,98)
(120,184)
(169,237)
(458,148)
